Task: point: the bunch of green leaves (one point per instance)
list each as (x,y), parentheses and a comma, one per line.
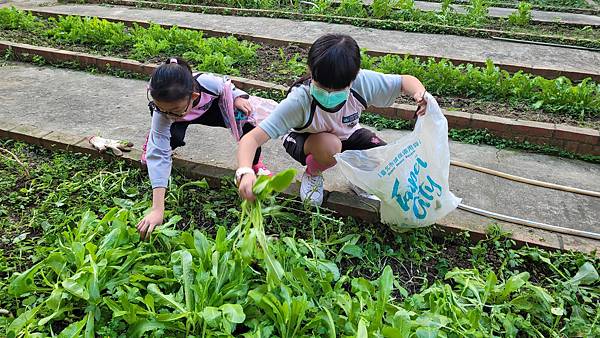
(321,7)
(560,3)
(477,13)
(260,4)
(251,228)
(383,8)
(86,30)
(407,6)
(13,18)
(446,7)
(484,305)
(522,16)
(219,55)
(351,8)
(294,65)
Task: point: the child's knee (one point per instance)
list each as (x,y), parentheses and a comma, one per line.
(323,146)
(330,144)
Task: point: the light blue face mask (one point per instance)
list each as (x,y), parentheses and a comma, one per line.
(329,99)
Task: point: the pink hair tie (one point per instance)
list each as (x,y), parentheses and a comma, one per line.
(173,60)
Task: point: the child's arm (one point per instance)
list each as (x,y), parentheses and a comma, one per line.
(155,217)
(381,90)
(214,84)
(246,150)
(290,113)
(413,87)
(159,162)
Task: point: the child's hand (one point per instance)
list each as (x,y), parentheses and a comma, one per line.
(421,102)
(243,105)
(148,223)
(245,186)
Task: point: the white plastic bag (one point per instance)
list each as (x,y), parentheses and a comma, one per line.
(410,175)
(261,109)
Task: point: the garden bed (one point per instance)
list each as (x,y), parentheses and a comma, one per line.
(116,285)
(476,24)
(569,6)
(474,89)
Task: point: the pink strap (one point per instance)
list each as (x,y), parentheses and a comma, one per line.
(228,110)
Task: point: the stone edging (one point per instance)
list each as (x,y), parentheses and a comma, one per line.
(342,203)
(579,140)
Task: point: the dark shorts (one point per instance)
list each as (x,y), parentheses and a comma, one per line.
(361,139)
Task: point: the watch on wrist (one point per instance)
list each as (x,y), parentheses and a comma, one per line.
(241,172)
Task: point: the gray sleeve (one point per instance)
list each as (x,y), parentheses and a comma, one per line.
(378,89)
(292,112)
(215,84)
(158,151)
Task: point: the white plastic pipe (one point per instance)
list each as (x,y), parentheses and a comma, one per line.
(533,224)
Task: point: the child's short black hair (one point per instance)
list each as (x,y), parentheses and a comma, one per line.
(172,81)
(334,60)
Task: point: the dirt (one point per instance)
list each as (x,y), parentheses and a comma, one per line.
(8,248)
(271,65)
(454,251)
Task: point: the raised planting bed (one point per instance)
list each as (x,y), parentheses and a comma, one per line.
(477,24)
(539,137)
(86,272)
(136,16)
(283,63)
(569,6)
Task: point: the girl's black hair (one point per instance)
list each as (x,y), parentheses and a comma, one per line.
(333,61)
(172,81)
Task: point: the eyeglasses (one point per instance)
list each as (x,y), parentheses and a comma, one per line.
(170,113)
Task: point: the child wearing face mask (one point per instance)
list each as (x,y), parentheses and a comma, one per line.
(323,110)
(178,99)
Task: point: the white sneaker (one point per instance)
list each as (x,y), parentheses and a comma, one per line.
(311,189)
(357,190)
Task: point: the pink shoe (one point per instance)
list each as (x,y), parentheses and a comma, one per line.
(143,156)
(260,169)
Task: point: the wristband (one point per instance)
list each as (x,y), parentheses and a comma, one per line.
(241,172)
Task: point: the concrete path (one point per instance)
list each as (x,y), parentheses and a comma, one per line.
(85,104)
(447,46)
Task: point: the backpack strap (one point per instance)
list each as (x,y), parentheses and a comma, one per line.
(201,87)
(358,97)
(313,108)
